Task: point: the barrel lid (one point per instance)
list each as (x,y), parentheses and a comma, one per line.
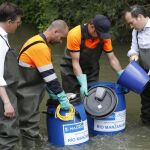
(100,102)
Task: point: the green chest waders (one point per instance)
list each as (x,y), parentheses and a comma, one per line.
(144,58)
(144,61)
(89,62)
(30,94)
(9,127)
(144,55)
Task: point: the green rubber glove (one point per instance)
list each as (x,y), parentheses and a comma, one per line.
(82,79)
(124,89)
(63,100)
(120,72)
(52,95)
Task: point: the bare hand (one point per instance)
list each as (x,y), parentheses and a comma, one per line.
(134,57)
(9,110)
(148,73)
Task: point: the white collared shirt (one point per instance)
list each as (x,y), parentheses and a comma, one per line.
(3,50)
(143,40)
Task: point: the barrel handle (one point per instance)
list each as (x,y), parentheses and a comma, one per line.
(100,93)
(52,114)
(77,114)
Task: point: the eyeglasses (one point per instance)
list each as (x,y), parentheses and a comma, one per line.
(17,22)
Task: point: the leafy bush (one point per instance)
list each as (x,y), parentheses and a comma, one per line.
(74,12)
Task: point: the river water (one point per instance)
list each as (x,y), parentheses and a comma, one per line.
(136,135)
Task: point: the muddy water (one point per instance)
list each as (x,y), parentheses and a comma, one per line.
(136,135)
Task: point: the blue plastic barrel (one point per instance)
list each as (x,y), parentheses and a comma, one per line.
(114,122)
(63,133)
(134,77)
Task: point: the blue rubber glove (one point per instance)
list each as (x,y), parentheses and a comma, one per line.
(119,73)
(82,79)
(52,95)
(63,100)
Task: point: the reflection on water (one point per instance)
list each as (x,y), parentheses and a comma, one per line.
(136,135)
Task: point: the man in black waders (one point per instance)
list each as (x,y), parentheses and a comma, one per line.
(37,73)
(138,19)
(10,19)
(80,64)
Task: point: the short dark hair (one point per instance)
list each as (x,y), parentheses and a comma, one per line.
(9,11)
(135,10)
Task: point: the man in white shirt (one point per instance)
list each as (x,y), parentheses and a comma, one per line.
(10,19)
(137,18)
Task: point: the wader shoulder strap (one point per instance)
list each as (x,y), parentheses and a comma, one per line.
(83,35)
(137,39)
(5,41)
(28,46)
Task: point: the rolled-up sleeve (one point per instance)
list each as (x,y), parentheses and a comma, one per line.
(134,46)
(2,82)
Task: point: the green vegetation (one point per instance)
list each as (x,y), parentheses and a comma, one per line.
(74,12)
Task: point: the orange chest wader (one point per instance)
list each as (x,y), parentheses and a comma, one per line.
(30,92)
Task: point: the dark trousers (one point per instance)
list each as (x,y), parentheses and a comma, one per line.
(145,102)
(9,127)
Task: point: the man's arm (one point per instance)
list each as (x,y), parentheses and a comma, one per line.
(82,78)
(75,63)
(8,108)
(133,53)
(114,62)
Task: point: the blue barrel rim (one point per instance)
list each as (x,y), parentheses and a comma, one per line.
(137,89)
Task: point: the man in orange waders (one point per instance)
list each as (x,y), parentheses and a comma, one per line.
(138,19)
(37,73)
(85,43)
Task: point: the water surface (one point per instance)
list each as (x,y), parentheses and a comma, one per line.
(136,135)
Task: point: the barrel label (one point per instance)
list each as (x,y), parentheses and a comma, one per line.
(112,123)
(75,133)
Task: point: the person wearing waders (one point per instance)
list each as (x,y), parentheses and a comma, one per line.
(10,19)
(138,19)
(37,74)
(80,64)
